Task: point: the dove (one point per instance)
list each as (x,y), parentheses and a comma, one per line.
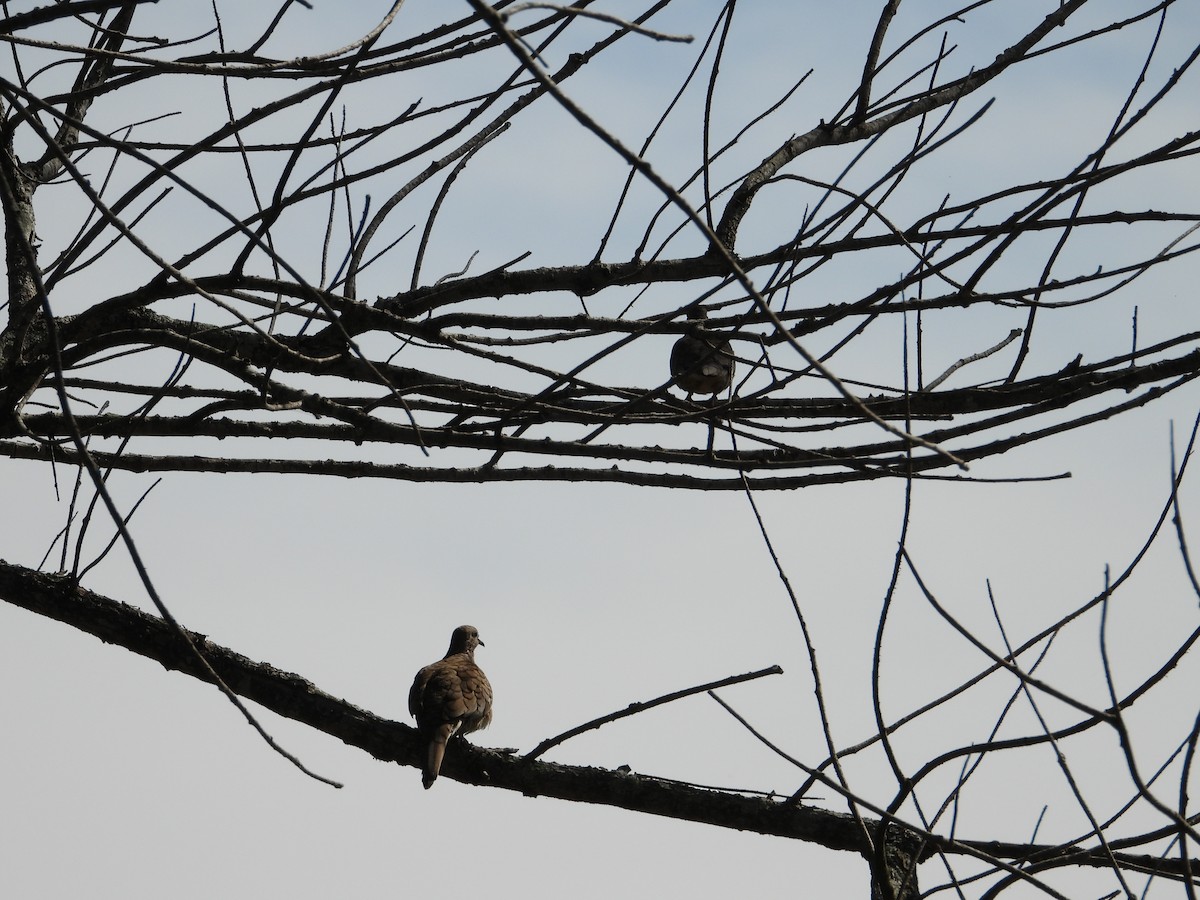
(451,696)
(701,362)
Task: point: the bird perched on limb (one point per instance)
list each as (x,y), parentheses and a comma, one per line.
(451,696)
(702,362)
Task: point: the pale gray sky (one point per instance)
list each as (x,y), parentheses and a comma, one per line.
(121,780)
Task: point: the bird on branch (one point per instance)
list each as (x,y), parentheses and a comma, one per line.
(451,696)
(702,362)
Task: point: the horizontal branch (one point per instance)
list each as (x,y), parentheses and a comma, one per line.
(591,278)
(775,464)
(134,462)
(54,11)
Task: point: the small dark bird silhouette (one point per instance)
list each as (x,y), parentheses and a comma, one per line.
(702,362)
(451,696)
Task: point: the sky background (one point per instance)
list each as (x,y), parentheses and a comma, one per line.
(121,780)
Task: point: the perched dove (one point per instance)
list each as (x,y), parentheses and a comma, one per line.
(701,362)
(451,696)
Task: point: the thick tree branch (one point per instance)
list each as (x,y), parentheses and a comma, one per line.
(825,135)
(62,10)
(294,697)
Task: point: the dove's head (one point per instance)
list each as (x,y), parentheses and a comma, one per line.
(464,640)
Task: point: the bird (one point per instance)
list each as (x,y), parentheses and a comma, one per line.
(701,362)
(448,697)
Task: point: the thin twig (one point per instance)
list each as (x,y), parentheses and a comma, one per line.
(967,360)
(642,706)
(8,196)
(599,16)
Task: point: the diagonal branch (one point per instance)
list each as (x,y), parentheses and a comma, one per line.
(290,695)
(827,135)
(638,707)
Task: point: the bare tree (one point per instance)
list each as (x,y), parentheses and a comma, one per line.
(248,229)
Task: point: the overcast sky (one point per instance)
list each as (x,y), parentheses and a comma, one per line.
(121,780)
